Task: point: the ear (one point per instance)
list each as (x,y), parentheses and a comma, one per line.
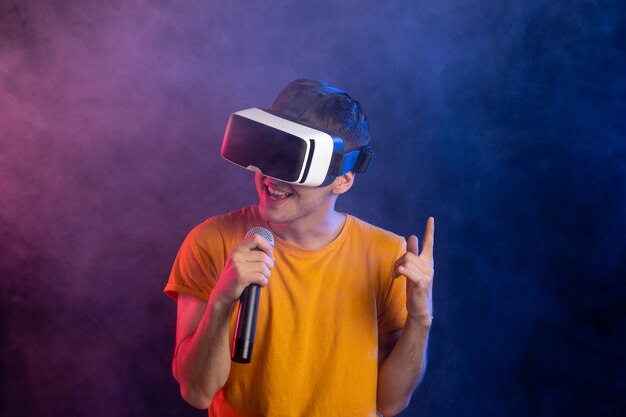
(343,183)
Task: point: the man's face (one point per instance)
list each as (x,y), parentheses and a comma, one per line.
(281,202)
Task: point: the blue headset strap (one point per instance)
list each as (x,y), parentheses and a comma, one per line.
(358,161)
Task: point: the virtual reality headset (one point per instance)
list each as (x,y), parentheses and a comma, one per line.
(289,151)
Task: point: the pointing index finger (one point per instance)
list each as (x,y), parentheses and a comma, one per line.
(429,240)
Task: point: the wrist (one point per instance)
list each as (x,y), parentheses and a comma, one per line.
(422,321)
(217,304)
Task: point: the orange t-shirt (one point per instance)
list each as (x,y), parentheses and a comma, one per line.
(316,345)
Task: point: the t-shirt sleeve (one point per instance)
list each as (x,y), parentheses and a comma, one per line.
(199,263)
(392,311)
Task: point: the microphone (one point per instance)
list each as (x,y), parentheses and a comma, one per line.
(248,308)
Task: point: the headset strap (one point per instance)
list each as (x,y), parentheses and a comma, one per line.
(358,161)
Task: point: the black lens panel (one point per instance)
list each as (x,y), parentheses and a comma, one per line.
(276,153)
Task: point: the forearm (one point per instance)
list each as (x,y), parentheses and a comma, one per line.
(202,361)
(404,368)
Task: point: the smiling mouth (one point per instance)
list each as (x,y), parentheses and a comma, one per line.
(276,195)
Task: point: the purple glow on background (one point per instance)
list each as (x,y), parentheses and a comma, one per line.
(505,120)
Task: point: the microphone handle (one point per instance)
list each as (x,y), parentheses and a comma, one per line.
(246,324)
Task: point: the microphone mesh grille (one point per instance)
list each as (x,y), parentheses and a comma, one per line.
(263,232)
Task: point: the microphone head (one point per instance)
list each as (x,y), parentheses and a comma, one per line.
(263,232)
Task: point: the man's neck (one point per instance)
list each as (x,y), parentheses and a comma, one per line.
(311,234)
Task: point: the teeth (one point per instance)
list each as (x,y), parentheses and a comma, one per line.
(276,194)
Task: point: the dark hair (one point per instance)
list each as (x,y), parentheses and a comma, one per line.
(332,110)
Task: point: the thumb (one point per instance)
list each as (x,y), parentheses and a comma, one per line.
(411,245)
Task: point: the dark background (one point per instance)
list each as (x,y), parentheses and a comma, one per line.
(503,119)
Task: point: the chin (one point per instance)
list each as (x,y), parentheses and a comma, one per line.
(273,215)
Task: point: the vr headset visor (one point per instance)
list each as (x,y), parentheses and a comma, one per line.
(288,151)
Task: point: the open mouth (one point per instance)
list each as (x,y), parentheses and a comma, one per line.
(276,195)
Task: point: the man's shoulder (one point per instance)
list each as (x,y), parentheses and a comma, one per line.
(374,233)
(228,224)
(244,214)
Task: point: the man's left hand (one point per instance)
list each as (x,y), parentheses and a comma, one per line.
(418,268)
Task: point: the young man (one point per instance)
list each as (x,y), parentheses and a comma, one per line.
(345,307)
